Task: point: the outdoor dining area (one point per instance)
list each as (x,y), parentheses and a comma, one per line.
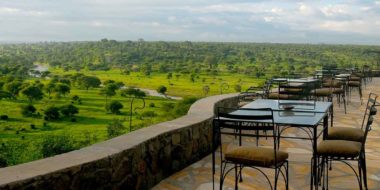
(317,132)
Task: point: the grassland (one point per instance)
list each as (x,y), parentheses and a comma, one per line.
(23,135)
(181,86)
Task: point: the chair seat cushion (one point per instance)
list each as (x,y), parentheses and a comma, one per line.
(354,83)
(255,156)
(323,91)
(345,133)
(354,78)
(337,90)
(280,96)
(339,148)
(335,84)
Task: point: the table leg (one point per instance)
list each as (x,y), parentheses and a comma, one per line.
(315,163)
(332,114)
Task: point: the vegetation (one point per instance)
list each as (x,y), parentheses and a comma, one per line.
(39,107)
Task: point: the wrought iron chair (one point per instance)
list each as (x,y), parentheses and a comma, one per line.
(251,94)
(344,151)
(356,134)
(355,82)
(240,122)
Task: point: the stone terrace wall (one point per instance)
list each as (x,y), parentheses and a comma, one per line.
(137,160)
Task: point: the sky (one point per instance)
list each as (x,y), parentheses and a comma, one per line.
(285,21)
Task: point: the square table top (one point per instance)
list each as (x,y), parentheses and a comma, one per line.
(301,80)
(301,115)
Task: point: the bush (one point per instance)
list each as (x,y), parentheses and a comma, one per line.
(237,88)
(52,113)
(4,117)
(114,107)
(69,110)
(149,114)
(56,144)
(162,89)
(32,126)
(152,105)
(28,110)
(115,128)
(75,98)
(73,119)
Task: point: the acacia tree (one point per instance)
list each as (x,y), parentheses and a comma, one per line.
(62,89)
(13,87)
(108,91)
(89,82)
(32,93)
(162,89)
(49,88)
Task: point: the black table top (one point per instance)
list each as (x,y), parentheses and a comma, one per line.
(301,115)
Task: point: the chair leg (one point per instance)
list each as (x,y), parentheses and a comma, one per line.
(236,177)
(360,180)
(312,174)
(287,175)
(276,174)
(240,174)
(364,169)
(361,95)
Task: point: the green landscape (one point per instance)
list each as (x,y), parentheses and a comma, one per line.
(56,97)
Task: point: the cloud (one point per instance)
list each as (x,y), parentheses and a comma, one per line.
(198,20)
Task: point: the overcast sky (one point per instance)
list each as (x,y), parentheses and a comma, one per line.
(290,21)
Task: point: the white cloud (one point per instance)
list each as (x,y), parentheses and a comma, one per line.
(220,20)
(212,20)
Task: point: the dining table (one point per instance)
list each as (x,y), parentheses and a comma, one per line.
(310,116)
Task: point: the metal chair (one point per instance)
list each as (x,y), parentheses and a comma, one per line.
(355,82)
(356,134)
(240,122)
(344,151)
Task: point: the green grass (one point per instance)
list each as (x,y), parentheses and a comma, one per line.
(182,86)
(92,117)
(91,125)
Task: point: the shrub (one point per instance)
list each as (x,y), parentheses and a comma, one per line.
(28,110)
(69,110)
(52,113)
(149,114)
(56,144)
(237,88)
(32,126)
(73,119)
(152,105)
(115,128)
(4,117)
(114,107)
(75,98)
(162,89)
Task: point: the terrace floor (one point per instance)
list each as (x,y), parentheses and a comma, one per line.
(198,175)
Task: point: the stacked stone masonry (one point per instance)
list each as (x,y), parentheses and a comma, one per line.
(137,160)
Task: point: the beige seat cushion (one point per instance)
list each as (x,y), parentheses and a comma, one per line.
(281,96)
(323,91)
(354,83)
(345,133)
(337,90)
(335,84)
(256,156)
(339,148)
(354,78)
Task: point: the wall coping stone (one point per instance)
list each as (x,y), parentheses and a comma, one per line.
(199,112)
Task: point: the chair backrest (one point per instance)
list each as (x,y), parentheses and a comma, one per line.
(244,119)
(370,119)
(240,118)
(370,108)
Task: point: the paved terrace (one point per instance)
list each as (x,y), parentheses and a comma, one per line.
(198,175)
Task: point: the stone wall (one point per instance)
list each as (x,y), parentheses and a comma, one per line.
(137,160)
